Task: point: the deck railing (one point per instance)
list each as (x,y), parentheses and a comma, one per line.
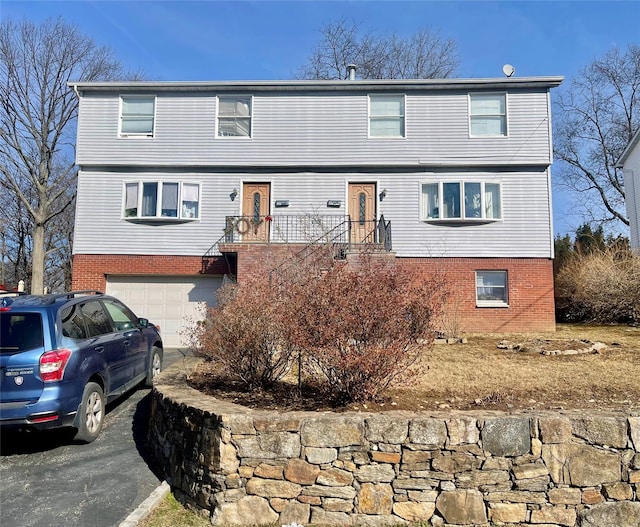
(309,229)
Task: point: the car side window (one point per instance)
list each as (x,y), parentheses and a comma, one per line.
(98,322)
(73,325)
(121,315)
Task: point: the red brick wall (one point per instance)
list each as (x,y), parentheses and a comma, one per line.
(530,286)
(530,292)
(90,270)
(530,281)
(263,257)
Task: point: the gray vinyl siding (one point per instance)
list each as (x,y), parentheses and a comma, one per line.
(525,230)
(632,195)
(310,129)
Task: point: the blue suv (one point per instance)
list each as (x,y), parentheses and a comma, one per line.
(63,357)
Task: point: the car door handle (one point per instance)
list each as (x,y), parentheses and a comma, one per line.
(126,342)
(99,349)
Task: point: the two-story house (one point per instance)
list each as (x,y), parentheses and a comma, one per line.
(629,162)
(181,183)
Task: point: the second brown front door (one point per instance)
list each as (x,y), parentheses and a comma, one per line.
(362,211)
(256,198)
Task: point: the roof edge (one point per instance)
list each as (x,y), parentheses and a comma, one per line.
(627,151)
(323,85)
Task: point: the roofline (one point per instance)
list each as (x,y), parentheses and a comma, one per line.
(322,85)
(627,151)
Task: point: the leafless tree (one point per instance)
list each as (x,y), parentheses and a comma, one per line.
(423,55)
(596,117)
(37,121)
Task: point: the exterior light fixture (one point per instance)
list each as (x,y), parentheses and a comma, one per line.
(233,194)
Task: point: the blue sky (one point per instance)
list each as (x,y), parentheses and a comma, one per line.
(253,40)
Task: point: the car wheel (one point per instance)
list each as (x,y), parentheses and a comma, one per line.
(92,411)
(155,365)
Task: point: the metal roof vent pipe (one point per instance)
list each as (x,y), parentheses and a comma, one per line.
(351,72)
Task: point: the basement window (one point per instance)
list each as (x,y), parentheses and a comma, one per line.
(491,289)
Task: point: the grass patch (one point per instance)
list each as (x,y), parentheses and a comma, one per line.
(171,513)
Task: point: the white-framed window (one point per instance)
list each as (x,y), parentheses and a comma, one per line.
(492,289)
(488,114)
(461,201)
(137,115)
(234,116)
(386,115)
(166,200)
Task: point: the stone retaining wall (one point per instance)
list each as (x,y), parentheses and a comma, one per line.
(245,467)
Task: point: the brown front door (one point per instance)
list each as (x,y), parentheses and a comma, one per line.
(362,211)
(255,208)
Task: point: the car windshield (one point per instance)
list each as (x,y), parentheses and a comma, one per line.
(20,332)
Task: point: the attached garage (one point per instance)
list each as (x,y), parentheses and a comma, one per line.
(167,301)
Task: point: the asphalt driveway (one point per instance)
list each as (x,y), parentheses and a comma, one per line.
(47,480)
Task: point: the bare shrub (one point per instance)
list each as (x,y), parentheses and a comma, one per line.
(362,324)
(243,336)
(451,323)
(603,286)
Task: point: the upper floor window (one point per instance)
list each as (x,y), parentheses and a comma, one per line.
(234,116)
(488,114)
(162,199)
(461,200)
(386,115)
(137,115)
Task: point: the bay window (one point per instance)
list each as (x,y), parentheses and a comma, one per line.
(461,200)
(161,199)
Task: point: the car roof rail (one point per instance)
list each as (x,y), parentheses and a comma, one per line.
(50,299)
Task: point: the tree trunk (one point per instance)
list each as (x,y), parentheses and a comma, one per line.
(37,260)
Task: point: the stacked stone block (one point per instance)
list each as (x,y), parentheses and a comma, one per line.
(253,467)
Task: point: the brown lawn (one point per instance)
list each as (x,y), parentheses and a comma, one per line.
(479,375)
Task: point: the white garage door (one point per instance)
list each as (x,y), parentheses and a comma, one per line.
(167,301)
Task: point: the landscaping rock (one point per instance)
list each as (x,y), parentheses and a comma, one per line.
(620,514)
(462,507)
(507,436)
(270,488)
(320,456)
(608,431)
(334,477)
(379,473)
(414,512)
(463,431)
(375,499)
(299,471)
(432,433)
(249,510)
(381,430)
(332,432)
(508,512)
(557,514)
(581,465)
